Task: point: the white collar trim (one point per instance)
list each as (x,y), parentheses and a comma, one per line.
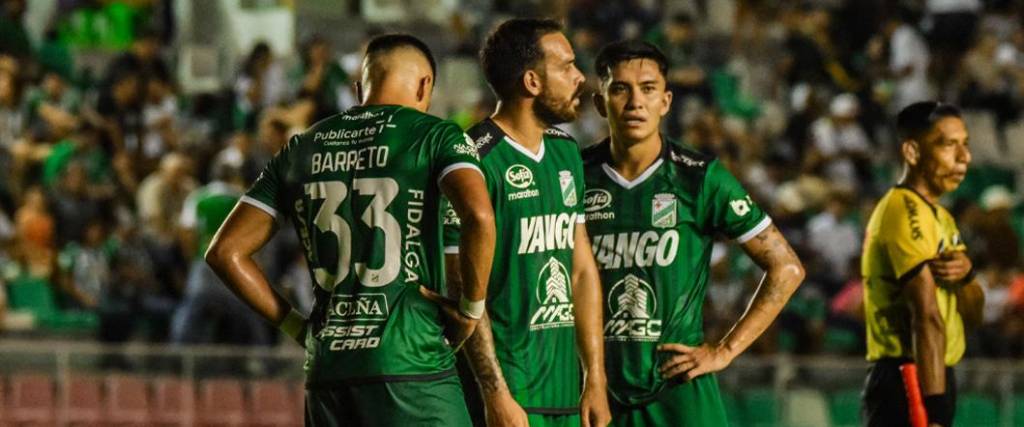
(526,152)
(627,184)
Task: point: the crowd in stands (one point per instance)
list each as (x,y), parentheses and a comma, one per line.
(797,98)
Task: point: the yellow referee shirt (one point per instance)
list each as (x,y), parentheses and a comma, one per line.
(904,232)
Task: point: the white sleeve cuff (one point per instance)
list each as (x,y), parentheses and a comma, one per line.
(451,250)
(753,232)
(581,219)
(260,205)
(456,166)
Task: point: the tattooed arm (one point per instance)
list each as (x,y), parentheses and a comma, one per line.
(783,274)
(499,406)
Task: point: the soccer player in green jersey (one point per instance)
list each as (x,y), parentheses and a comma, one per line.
(654,208)
(544,299)
(362,189)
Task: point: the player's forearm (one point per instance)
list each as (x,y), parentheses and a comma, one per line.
(783,274)
(928,332)
(589,325)
(771,296)
(243,233)
(243,277)
(479,347)
(481,354)
(929,349)
(476,247)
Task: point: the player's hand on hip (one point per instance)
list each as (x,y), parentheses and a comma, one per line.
(458,327)
(594,411)
(686,363)
(951,267)
(501,410)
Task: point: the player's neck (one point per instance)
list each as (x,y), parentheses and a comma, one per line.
(920,185)
(631,160)
(519,122)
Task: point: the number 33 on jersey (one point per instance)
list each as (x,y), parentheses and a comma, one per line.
(361,189)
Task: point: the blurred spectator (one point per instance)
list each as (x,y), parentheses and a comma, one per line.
(986,81)
(689,63)
(259,85)
(142,59)
(162,195)
(86,265)
(158,204)
(52,108)
(14,38)
(36,248)
(951,26)
(209,308)
(845,331)
(909,60)
(835,240)
(840,147)
(159,117)
(322,80)
(76,203)
(118,116)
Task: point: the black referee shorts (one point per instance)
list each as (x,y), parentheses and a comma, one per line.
(884,401)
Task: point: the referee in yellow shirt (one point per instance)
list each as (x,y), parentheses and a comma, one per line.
(919,286)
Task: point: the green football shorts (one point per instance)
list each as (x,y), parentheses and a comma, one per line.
(696,403)
(396,403)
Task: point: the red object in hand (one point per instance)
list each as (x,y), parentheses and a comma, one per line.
(918,416)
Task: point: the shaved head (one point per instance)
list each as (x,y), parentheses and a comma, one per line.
(400,69)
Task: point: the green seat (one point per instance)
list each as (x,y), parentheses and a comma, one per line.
(35,296)
(1018,410)
(844,408)
(760,408)
(976,410)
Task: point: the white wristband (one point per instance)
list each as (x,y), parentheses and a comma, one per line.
(294,325)
(472,309)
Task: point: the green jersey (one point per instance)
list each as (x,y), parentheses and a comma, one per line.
(361,189)
(205,210)
(652,241)
(537,203)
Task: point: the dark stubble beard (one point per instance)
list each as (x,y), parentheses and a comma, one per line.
(553,111)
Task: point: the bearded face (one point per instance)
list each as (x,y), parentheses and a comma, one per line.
(553,109)
(561,82)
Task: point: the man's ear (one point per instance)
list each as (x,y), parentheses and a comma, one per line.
(532,83)
(425,87)
(911,152)
(666,99)
(599,105)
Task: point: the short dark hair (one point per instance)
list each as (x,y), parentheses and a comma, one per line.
(511,50)
(918,118)
(387,42)
(626,50)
